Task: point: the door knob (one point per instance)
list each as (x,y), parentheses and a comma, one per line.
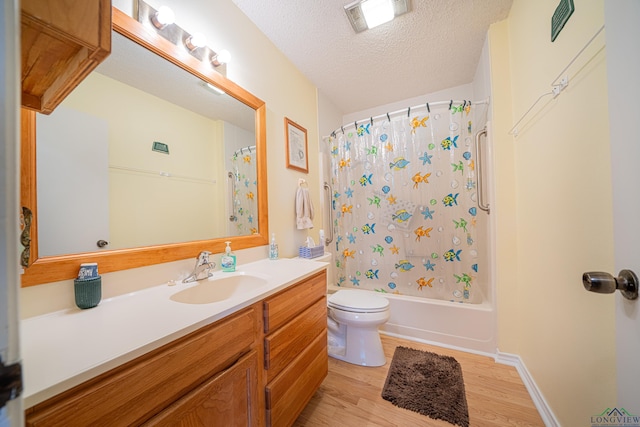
(605,283)
(101,243)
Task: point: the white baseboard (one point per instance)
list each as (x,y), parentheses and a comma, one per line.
(545,411)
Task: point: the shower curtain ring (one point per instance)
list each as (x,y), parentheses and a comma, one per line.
(355,124)
(450,104)
(464,104)
(428,109)
(342,129)
(408,111)
(388,118)
(371,121)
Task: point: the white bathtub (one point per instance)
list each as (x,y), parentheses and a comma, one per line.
(469,327)
(457,325)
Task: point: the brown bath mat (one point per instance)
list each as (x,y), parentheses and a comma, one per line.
(427,383)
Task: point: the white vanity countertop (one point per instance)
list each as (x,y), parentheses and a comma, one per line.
(63,349)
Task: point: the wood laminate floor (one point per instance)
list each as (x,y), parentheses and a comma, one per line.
(351,394)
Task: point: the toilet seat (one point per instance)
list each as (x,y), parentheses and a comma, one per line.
(358,301)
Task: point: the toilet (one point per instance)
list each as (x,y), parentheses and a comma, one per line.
(353,320)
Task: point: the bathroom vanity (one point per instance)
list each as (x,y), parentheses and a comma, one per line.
(254,358)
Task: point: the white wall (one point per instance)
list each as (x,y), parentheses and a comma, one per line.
(462,92)
(12,413)
(623,69)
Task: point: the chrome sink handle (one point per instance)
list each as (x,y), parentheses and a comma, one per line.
(203,269)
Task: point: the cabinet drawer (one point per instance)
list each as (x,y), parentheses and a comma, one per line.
(287,304)
(227,400)
(289,392)
(286,343)
(139,389)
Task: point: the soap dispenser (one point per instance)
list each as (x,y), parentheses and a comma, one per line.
(228,260)
(273,247)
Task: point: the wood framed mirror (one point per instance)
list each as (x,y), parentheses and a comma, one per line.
(45,269)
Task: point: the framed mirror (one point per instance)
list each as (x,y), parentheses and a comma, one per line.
(171,192)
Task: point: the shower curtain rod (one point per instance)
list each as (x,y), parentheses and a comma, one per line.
(241,150)
(427,105)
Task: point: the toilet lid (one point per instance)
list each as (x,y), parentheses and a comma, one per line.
(358,301)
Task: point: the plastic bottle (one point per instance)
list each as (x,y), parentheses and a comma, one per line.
(273,247)
(228,260)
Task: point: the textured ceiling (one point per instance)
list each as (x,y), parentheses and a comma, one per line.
(435,46)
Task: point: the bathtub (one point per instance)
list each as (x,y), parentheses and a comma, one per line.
(468,327)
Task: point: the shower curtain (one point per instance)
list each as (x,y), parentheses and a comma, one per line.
(405,203)
(244,192)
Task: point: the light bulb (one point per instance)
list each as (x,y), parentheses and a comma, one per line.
(163,17)
(222,57)
(195,41)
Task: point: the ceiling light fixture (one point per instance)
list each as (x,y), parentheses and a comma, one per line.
(377,12)
(163,17)
(366,14)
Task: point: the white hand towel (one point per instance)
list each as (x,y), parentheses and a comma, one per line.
(304,209)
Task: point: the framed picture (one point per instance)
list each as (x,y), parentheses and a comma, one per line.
(296,137)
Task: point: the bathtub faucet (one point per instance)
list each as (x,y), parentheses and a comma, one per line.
(203,269)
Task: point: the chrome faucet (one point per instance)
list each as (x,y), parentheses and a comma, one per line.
(203,269)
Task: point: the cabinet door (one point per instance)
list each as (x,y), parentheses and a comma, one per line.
(143,387)
(228,399)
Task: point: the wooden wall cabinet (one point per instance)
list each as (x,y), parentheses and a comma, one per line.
(62,41)
(295,348)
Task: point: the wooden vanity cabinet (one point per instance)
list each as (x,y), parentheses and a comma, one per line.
(62,41)
(295,348)
(228,373)
(208,377)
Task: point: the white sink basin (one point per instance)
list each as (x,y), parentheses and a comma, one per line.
(219,289)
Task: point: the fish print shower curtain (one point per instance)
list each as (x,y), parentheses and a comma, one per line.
(405,204)
(245,194)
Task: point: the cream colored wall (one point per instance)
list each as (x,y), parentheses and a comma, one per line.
(553,201)
(147,209)
(258,66)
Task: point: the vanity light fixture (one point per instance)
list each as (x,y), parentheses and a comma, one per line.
(163,17)
(195,41)
(163,22)
(222,57)
(366,14)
